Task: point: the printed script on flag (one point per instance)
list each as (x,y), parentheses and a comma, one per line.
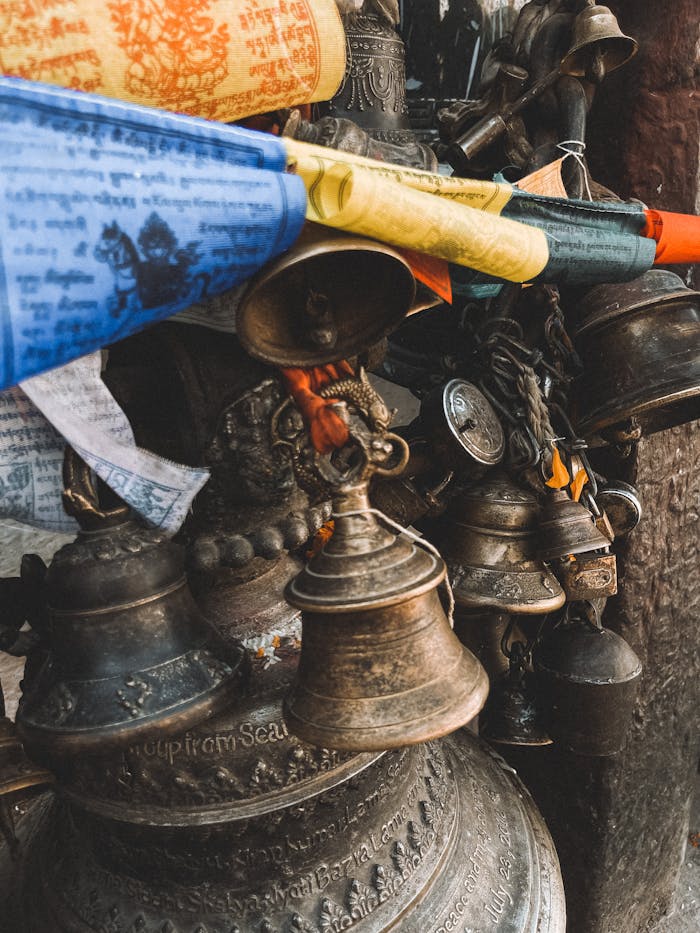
(208,58)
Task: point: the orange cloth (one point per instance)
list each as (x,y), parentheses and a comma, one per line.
(560,475)
(328,431)
(677,236)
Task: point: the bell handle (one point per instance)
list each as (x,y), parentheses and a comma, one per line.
(81,499)
(399,445)
(584,611)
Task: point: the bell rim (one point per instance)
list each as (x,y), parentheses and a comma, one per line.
(568,64)
(345,243)
(594,422)
(476,599)
(606,316)
(47,742)
(452,716)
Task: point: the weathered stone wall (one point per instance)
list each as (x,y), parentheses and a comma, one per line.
(620,824)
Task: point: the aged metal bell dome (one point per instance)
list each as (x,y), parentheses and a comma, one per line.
(379,666)
(237,825)
(128,653)
(327,298)
(640,347)
(596,29)
(489,540)
(589,677)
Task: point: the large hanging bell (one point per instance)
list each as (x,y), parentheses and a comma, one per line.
(567,527)
(589,677)
(379,667)
(328,298)
(640,347)
(129,654)
(596,30)
(489,540)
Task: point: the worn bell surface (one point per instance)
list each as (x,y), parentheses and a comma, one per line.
(328,298)
(380,666)
(589,678)
(640,347)
(373,92)
(596,26)
(489,540)
(512,715)
(128,652)
(236,824)
(567,527)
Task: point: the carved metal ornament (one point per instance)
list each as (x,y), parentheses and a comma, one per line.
(373,92)
(236,825)
(442,836)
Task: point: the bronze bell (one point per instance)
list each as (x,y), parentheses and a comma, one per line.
(511,715)
(567,527)
(373,92)
(597,31)
(128,653)
(328,298)
(489,540)
(589,676)
(379,666)
(639,343)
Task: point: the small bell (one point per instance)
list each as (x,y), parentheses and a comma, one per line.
(489,539)
(567,527)
(511,715)
(129,654)
(328,298)
(597,33)
(380,667)
(589,676)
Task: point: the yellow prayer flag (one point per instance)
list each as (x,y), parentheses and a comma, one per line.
(352,198)
(208,58)
(488,196)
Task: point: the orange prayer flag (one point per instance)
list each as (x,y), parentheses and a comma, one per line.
(677,236)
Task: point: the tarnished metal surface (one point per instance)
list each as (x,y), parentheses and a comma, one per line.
(430,839)
(489,540)
(328,298)
(640,347)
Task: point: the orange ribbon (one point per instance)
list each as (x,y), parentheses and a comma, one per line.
(327,429)
(677,236)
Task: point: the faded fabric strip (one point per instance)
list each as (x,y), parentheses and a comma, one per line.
(209,58)
(115,216)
